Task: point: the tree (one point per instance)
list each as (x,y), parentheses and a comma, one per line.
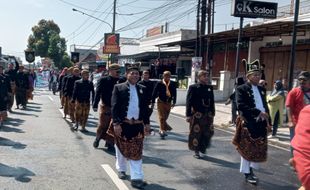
(57,48)
(46,42)
(66,62)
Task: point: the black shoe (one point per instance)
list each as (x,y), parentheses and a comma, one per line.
(122,175)
(252,174)
(249,178)
(83,130)
(96,143)
(76,126)
(137,183)
(197,156)
(162,135)
(111,148)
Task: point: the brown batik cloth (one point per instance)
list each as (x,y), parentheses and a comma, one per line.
(201,132)
(81,113)
(130,143)
(13,87)
(66,105)
(254,150)
(105,118)
(62,100)
(163,109)
(29,94)
(71,110)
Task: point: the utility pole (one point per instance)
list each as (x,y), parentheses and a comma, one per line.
(293,48)
(112,56)
(203,32)
(114,15)
(197,48)
(210,44)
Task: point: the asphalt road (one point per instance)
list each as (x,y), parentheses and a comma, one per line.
(38,150)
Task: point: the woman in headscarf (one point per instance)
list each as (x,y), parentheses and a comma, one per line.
(276,105)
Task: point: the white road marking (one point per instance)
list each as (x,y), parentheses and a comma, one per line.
(51,98)
(119,183)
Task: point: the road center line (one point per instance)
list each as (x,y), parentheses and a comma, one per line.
(119,183)
(51,98)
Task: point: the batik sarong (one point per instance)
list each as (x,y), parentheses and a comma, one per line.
(163,109)
(252,149)
(81,113)
(201,131)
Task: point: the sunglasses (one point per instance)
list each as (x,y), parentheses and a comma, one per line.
(118,71)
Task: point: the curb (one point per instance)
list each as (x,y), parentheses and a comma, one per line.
(224,127)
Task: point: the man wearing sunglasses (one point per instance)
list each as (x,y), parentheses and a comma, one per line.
(104,90)
(296,100)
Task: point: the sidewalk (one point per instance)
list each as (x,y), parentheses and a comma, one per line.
(223,116)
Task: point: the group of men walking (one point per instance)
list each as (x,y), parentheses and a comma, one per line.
(125,104)
(14,82)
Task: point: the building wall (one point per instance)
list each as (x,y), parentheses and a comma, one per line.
(149,44)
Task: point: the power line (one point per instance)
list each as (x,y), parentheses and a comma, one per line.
(85,21)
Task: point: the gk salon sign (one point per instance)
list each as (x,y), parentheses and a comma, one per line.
(254,9)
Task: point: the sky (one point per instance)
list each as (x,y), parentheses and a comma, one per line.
(134,18)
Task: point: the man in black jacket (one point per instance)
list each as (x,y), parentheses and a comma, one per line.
(149,85)
(81,97)
(166,92)
(65,98)
(104,90)
(251,133)
(69,91)
(200,111)
(5,90)
(11,73)
(22,85)
(130,123)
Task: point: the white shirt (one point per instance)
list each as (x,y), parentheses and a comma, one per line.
(133,107)
(258,99)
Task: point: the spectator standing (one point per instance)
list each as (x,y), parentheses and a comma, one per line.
(276,105)
(296,100)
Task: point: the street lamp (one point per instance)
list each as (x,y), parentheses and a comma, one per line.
(93,17)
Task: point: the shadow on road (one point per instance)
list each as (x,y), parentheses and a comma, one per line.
(14,122)
(157,187)
(34,103)
(19,173)
(91,123)
(25,114)
(270,186)
(157,161)
(11,129)
(13,144)
(220,162)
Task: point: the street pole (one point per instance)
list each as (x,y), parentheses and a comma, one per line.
(197,52)
(293,47)
(238,48)
(114,16)
(113,28)
(203,32)
(209,44)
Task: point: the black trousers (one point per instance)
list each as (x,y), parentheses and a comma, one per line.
(21,96)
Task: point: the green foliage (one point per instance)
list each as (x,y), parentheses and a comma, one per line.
(66,62)
(46,42)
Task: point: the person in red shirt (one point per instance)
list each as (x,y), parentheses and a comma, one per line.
(301,145)
(296,100)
